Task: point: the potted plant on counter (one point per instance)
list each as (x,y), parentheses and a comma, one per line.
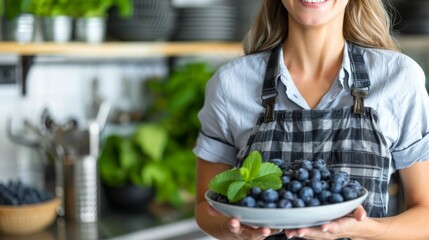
(91,17)
(159,153)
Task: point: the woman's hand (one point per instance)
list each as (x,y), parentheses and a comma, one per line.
(340,228)
(234,228)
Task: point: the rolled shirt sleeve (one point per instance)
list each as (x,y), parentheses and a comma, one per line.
(412,144)
(215,143)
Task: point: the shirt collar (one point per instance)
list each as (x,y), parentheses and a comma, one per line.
(343,76)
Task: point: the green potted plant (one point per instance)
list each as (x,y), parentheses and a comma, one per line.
(56,17)
(91,17)
(159,153)
(18,21)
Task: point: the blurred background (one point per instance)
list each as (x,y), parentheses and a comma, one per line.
(144,108)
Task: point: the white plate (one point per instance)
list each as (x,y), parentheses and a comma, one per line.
(291,218)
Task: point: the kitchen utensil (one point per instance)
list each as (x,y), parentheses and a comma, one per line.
(80,150)
(290,218)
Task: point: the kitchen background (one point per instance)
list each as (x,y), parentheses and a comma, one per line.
(68,87)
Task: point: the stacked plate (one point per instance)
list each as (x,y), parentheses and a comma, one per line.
(151,20)
(214,21)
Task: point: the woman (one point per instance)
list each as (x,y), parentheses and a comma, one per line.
(322,79)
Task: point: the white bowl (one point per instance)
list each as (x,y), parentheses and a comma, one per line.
(289,218)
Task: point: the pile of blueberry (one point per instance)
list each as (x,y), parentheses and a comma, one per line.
(14,193)
(305,183)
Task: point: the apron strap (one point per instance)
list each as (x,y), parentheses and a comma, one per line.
(361,82)
(269,89)
(360,88)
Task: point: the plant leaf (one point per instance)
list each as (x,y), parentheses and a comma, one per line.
(237,190)
(253,162)
(127,156)
(267,181)
(152,139)
(269,176)
(245,174)
(220,183)
(268,168)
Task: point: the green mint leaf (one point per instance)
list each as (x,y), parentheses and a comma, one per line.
(220,183)
(268,168)
(253,162)
(245,173)
(267,181)
(238,190)
(269,176)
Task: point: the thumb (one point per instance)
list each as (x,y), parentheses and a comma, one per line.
(359,213)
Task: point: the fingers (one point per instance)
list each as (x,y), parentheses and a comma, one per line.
(249,232)
(359,213)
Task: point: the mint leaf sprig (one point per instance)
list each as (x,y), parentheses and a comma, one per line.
(235,183)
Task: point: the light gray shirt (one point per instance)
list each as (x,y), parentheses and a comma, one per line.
(233,104)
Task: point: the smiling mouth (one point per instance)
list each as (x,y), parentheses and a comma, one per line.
(313,1)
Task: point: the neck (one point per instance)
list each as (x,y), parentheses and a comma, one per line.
(313,51)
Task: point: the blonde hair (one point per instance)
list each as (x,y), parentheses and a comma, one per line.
(366,23)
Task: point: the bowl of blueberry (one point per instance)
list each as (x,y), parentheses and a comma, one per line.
(284,195)
(25,209)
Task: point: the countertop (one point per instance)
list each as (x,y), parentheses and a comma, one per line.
(158,224)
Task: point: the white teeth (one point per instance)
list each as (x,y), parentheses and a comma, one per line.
(313,1)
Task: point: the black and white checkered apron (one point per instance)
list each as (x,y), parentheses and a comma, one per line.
(347,138)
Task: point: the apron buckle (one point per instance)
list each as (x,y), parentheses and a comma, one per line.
(359,95)
(268,103)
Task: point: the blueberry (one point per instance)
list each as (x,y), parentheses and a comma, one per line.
(325,174)
(319,164)
(220,198)
(288,172)
(349,193)
(316,186)
(306,194)
(336,187)
(325,185)
(295,186)
(355,185)
(302,174)
(324,195)
(270,205)
(315,174)
(255,192)
(298,203)
(270,195)
(284,203)
(248,201)
(307,164)
(285,180)
(338,177)
(336,198)
(287,195)
(313,202)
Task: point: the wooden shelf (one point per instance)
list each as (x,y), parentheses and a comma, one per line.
(123,49)
(107,50)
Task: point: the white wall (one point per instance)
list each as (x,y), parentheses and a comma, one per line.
(65,89)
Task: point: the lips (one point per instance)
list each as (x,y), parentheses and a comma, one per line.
(313,3)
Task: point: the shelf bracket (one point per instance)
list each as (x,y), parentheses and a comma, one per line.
(25,63)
